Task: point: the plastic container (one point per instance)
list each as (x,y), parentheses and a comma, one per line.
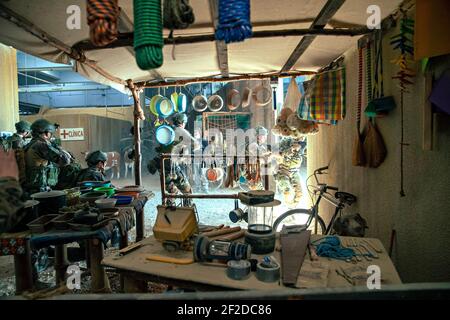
(95,184)
(105,203)
(108,190)
(123,200)
(42,224)
(134,194)
(92,196)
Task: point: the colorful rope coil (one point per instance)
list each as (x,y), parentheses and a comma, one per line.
(234,21)
(102,20)
(148,34)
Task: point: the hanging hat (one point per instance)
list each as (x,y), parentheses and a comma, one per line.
(233,99)
(215,103)
(199,103)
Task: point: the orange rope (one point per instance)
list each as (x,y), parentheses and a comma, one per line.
(102,20)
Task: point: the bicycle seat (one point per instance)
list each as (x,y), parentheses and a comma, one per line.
(345,197)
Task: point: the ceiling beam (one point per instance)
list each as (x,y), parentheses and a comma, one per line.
(126,39)
(61,88)
(325,15)
(221,46)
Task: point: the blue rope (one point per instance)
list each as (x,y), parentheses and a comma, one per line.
(234,21)
(331,247)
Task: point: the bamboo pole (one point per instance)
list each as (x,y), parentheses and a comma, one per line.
(183,82)
(138,115)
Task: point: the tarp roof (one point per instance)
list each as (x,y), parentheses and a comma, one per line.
(259,55)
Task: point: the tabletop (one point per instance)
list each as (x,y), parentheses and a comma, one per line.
(313,274)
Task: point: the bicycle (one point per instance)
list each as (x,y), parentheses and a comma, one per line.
(340,200)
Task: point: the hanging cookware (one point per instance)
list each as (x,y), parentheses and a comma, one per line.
(211,174)
(246,97)
(262,95)
(164,107)
(199,103)
(153,102)
(215,103)
(233,99)
(174,99)
(165,135)
(50,201)
(182,103)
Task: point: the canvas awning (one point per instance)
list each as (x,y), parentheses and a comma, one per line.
(194,60)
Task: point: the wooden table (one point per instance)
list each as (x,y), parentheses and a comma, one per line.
(136,270)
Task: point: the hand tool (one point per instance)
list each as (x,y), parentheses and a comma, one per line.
(170,259)
(372,246)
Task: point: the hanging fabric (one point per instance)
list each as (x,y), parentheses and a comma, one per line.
(148,34)
(234,21)
(358,156)
(324,98)
(102,18)
(380,105)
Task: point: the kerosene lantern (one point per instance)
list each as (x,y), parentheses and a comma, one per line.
(260,234)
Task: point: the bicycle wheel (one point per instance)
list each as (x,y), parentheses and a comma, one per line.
(303,216)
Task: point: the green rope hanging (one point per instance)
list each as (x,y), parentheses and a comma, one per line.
(148,34)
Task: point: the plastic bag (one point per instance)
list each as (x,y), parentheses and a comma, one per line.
(293,96)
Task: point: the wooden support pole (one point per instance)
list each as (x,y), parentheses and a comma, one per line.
(22,269)
(138,115)
(100,282)
(221,46)
(61,263)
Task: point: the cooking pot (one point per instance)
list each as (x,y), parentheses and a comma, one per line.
(164,107)
(233,99)
(165,135)
(215,103)
(50,201)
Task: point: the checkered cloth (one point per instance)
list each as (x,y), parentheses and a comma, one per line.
(324,98)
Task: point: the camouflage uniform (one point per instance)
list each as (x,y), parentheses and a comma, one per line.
(92,173)
(10,203)
(16,141)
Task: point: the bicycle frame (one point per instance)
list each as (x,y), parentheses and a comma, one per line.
(322,191)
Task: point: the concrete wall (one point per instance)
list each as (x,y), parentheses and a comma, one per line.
(9,99)
(421,219)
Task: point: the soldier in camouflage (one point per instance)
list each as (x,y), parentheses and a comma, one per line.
(42,158)
(10,191)
(96,166)
(17,140)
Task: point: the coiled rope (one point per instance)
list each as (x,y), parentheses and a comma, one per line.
(178,14)
(234,21)
(331,247)
(102,20)
(148,33)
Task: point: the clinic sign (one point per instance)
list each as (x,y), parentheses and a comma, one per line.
(71,134)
